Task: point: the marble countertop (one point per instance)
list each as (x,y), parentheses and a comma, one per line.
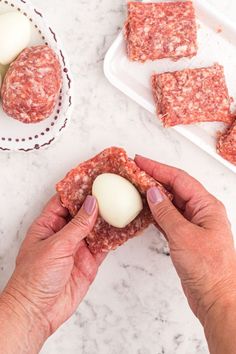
(136,305)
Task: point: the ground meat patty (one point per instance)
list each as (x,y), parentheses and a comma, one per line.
(161,30)
(191,96)
(74,188)
(32,85)
(226,146)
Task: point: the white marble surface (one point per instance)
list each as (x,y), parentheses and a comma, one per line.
(136,305)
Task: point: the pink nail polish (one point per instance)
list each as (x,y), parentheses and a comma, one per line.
(90,204)
(154,195)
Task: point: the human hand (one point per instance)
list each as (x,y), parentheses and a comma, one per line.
(199,235)
(54,268)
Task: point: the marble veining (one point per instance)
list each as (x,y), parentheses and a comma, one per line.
(136,305)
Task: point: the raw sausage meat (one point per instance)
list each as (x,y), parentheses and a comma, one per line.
(226,146)
(74,188)
(191,96)
(161,30)
(32,85)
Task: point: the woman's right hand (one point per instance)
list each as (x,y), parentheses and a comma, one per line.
(201,248)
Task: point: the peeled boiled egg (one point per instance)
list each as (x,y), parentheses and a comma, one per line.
(118,200)
(14,35)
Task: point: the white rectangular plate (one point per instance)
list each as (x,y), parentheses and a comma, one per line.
(217,43)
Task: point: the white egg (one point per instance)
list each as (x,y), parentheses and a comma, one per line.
(118,200)
(14,35)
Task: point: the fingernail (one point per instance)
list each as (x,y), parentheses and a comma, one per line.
(90,204)
(154,195)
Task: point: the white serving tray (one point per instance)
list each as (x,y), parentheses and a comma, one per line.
(217,43)
(18,136)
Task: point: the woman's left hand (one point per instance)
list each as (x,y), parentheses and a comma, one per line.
(54,268)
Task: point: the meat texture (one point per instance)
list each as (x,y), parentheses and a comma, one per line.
(74,188)
(32,84)
(192,96)
(161,30)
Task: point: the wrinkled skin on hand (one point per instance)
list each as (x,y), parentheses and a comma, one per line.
(55,268)
(199,235)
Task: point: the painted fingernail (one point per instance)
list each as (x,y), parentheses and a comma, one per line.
(90,204)
(154,195)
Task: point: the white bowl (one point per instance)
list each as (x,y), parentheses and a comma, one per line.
(18,136)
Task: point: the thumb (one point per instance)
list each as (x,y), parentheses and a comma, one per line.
(170,220)
(82,224)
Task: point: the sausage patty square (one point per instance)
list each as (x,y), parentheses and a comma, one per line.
(75,187)
(161,30)
(192,96)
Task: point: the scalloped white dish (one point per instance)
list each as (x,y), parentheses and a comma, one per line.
(18,136)
(217,43)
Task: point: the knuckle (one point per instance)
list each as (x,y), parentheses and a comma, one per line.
(217,204)
(81,222)
(182,172)
(155,170)
(166,214)
(220,205)
(47,221)
(163,211)
(181,176)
